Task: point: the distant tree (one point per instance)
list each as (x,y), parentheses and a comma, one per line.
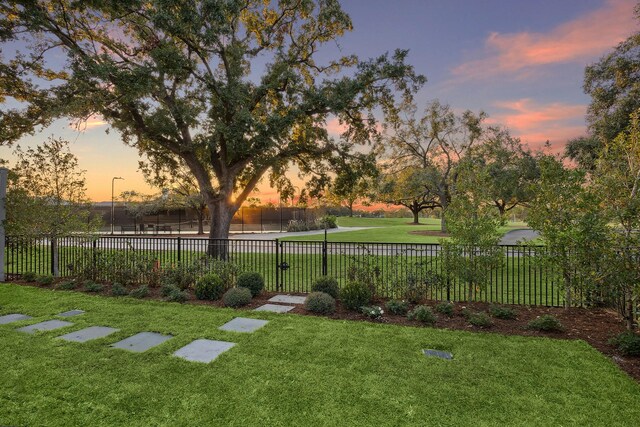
(472,253)
(46,196)
(584,151)
(172,174)
(617,180)
(355,180)
(508,167)
(253,202)
(568,216)
(236,89)
(409,188)
(138,205)
(434,143)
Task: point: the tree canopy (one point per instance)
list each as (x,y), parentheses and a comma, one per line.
(232,87)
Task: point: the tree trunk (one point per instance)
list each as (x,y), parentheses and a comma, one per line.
(201,220)
(221,215)
(350,210)
(415,216)
(443,223)
(631,321)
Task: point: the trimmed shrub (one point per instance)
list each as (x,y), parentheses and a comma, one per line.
(506,313)
(67,285)
(326,284)
(252,281)
(178,276)
(320,302)
(445,308)
(237,297)
(117,290)
(176,295)
(398,307)
(45,280)
(545,323)
(140,292)
(373,312)
(480,319)
(29,276)
(91,286)
(355,295)
(423,314)
(627,343)
(209,287)
(166,290)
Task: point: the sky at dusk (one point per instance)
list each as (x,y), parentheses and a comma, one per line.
(520,61)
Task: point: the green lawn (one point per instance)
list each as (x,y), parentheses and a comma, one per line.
(297,370)
(389,230)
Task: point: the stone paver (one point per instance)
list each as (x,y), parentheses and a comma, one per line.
(438,353)
(242,324)
(48,325)
(87,334)
(203,350)
(288,299)
(275,308)
(141,342)
(71,313)
(10,318)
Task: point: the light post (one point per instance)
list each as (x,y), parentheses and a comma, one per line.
(113,180)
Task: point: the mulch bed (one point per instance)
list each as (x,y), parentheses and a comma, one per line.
(595,325)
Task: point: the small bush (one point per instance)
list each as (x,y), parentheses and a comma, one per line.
(330,221)
(237,297)
(480,319)
(178,276)
(45,280)
(506,313)
(445,308)
(176,295)
(166,290)
(252,281)
(29,276)
(140,292)
(67,285)
(355,295)
(209,287)
(546,323)
(91,286)
(373,312)
(423,314)
(326,284)
(627,343)
(117,290)
(398,307)
(320,302)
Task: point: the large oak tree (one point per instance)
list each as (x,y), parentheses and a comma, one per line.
(232,87)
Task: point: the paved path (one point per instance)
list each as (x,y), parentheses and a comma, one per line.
(516,236)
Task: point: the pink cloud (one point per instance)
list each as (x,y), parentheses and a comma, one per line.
(580,40)
(535,123)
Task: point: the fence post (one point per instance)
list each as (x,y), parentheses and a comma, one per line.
(277,264)
(3,193)
(179,248)
(94,271)
(53,260)
(324,252)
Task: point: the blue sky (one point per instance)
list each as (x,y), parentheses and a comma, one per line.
(521,61)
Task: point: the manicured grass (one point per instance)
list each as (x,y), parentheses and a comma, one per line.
(389,230)
(295,371)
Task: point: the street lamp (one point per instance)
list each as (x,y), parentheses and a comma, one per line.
(112,200)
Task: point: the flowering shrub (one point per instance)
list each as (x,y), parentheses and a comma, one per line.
(372,312)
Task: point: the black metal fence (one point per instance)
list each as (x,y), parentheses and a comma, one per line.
(290,266)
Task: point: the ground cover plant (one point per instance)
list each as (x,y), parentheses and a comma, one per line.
(354,373)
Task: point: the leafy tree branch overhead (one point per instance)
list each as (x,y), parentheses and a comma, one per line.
(232,87)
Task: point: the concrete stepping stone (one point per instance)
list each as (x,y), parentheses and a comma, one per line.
(48,325)
(288,299)
(438,353)
(87,334)
(10,318)
(70,313)
(274,308)
(203,351)
(242,324)
(141,342)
